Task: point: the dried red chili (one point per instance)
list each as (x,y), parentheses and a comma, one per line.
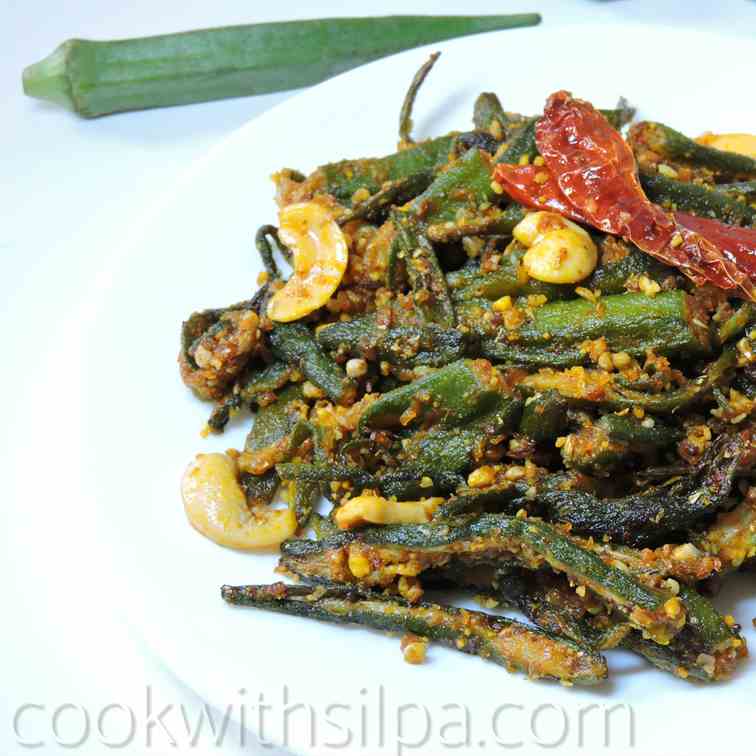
(534,186)
(590,175)
(738,243)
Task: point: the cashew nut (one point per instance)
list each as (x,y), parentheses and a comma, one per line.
(371,508)
(216,506)
(320,253)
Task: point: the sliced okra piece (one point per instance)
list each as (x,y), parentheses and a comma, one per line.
(531,542)
(295,344)
(509,279)
(554,336)
(584,387)
(675,147)
(400,345)
(343,179)
(255,383)
(598,448)
(697,200)
(424,273)
(498,639)
(490,116)
(647,517)
(452,394)
(544,416)
(622,266)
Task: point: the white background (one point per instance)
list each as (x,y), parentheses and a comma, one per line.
(68,189)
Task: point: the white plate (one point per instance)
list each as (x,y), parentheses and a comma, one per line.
(140,427)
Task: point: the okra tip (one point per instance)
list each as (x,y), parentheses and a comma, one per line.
(48,79)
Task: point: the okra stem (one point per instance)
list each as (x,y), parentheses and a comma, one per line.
(405,115)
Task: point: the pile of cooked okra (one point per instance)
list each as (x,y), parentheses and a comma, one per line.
(515,360)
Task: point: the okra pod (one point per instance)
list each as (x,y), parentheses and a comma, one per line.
(279,430)
(509,279)
(216,345)
(439,450)
(266,251)
(544,416)
(453,395)
(596,388)
(401,346)
(426,278)
(647,517)
(405,483)
(675,147)
(341,180)
(325,473)
(621,267)
(295,344)
(683,562)
(276,422)
(554,336)
(706,648)
(592,450)
(544,599)
(598,448)
(490,116)
(509,495)
(697,200)
(621,115)
(493,222)
(254,384)
(259,489)
(674,658)
(739,189)
(499,639)
(97,78)
(737,322)
(376,206)
(521,148)
(639,435)
(457,196)
(529,541)
(305,496)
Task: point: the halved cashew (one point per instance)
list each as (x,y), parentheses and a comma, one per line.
(320,252)
(216,506)
(371,508)
(559,250)
(744,144)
